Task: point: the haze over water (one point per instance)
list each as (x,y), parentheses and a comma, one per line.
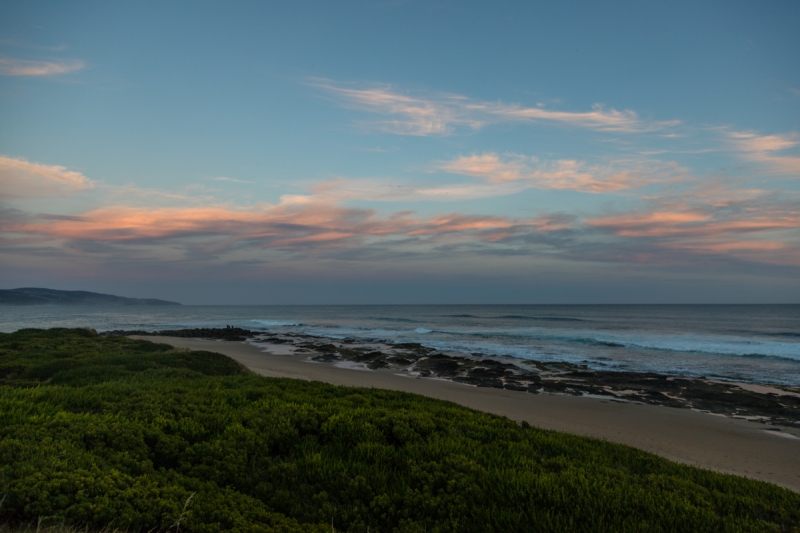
(755,343)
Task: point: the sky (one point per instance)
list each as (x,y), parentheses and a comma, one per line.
(402,152)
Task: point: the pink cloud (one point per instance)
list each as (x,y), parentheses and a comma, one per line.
(563,174)
(750,142)
(455,223)
(488,165)
(22,179)
(656,223)
(224,234)
(762,148)
(712,220)
(598,118)
(691,224)
(443,114)
(21,67)
(417,116)
(281,226)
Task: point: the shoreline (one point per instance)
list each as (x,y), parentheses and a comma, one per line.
(772,404)
(716,442)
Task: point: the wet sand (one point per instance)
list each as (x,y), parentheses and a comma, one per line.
(714,442)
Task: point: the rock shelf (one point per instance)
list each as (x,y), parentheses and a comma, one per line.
(781,408)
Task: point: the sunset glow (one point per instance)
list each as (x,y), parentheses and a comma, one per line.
(521,156)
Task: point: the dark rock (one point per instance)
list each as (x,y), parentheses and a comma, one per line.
(228,333)
(326,358)
(441,365)
(362,357)
(325,348)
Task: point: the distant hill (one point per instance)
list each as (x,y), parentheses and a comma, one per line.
(37,296)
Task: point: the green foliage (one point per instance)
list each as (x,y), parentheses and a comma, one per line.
(116,433)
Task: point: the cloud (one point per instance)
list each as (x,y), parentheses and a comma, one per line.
(472,191)
(22,67)
(22,179)
(598,118)
(497,176)
(287,225)
(759,226)
(651,224)
(488,165)
(446,114)
(750,142)
(751,226)
(688,224)
(762,148)
(382,190)
(562,174)
(414,116)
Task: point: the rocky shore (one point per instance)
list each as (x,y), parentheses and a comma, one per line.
(772,405)
(228,333)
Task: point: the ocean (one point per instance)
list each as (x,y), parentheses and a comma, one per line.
(751,343)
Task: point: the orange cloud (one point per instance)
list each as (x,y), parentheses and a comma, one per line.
(762,148)
(563,174)
(282,226)
(22,179)
(461,223)
(691,224)
(712,219)
(21,67)
(663,224)
(656,223)
(488,165)
(750,142)
(205,233)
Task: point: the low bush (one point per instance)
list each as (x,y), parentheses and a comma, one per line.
(108,432)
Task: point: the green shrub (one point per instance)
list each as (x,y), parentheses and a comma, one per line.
(116,433)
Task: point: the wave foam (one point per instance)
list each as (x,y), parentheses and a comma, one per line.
(542,318)
(684,343)
(276,323)
(521,338)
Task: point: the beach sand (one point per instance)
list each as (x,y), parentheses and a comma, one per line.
(714,442)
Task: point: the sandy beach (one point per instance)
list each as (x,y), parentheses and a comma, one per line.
(719,443)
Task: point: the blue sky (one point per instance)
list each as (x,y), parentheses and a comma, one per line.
(402,152)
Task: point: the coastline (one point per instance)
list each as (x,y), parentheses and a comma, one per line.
(720,443)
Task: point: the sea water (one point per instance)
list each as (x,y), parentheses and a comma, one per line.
(754,343)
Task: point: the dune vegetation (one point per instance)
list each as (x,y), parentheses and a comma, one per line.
(108,433)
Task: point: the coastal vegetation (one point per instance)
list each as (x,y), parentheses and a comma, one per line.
(107,433)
